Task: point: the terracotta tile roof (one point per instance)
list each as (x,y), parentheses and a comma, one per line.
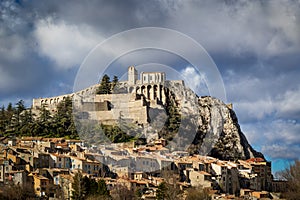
(204,173)
(255,160)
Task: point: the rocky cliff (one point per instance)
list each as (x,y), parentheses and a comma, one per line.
(207,126)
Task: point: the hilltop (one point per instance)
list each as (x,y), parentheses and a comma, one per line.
(152,107)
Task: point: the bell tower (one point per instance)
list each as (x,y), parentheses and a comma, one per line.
(132,75)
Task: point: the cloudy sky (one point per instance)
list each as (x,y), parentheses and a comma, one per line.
(254,44)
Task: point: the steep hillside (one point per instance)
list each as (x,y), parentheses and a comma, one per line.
(209,125)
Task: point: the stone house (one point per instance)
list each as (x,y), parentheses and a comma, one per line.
(146,163)
(86,166)
(41,185)
(17,177)
(226,177)
(60,161)
(263,170)
(198,178)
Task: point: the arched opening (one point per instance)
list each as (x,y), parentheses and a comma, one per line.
(160,92)
(143,90)
(148,91)
(155,91)
(131,89)
(137,90)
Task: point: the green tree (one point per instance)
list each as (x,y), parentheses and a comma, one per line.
(63,122)
(167,191)
(9,128)
(173,121)
(79,187)
(9,110)
(161,191)
(102,188)
(20,106)
(26,123)
(105,85)
(114,84)
(91,186)
(3,120)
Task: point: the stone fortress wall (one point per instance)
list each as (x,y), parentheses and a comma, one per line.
(51,102)
(148,91)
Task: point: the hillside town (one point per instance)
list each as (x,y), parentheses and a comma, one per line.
(48,166)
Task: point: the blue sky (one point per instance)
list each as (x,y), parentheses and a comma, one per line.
(255,45)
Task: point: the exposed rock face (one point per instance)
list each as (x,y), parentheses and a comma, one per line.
(210,125)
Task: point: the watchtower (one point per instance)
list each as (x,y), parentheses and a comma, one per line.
(132,75)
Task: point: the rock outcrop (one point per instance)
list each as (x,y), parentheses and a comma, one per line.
(208,126)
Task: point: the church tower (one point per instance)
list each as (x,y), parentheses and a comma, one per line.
(132,75)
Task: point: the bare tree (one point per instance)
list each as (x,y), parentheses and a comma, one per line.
(197,194)
(292,175)
(121,192)
(17,192)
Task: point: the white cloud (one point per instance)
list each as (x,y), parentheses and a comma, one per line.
(194,80)
(65,44)
(288,103)
(277,138)
(279,151)
(281,105)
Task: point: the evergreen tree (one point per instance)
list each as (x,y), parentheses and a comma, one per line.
(93,187)
(114,84)
(63,119)
(2,120)
(102,188)
(166,191)
(79,187)
(105,85)
(161,190)
(9,110)
(20,106)
(26,123)
(15,124)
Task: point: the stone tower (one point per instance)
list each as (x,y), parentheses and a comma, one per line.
(132,75)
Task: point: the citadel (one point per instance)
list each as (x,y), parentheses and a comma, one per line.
(131,100)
